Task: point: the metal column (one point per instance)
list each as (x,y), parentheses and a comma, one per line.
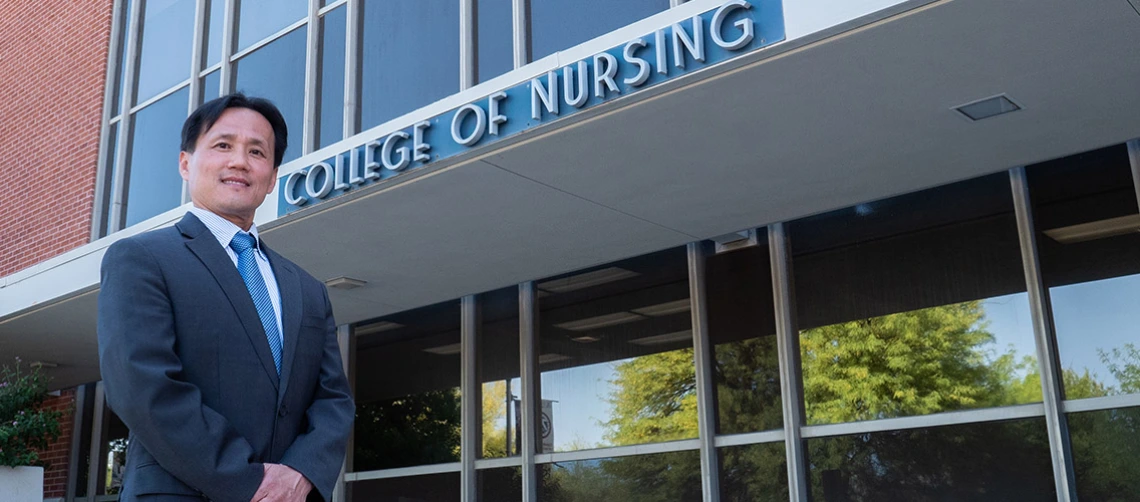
(1044,336)
(788,347)
(702,357)
(528,382)
(471,405)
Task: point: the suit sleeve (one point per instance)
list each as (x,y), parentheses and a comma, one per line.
(319,452)
(145,386)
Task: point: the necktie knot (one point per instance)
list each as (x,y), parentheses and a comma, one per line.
(242,242)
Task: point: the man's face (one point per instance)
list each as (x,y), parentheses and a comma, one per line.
(231,170)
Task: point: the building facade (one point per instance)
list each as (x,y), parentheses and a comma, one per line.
(645,250)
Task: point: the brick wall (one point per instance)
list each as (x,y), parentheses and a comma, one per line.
(53,57)
(55,477)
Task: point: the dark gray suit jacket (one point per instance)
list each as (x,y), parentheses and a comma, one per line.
(186,365)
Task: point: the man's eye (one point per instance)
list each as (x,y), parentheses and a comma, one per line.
(257,153)
(222,145)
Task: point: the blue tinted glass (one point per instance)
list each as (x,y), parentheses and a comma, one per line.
(560,24)
(411,56)
(331,127)
(211,86)
(258,19)
(167,40)
(495,41)
(214,33)
(122,75)
(155,185)
(277,72)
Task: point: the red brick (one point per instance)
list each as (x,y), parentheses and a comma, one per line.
(52,76)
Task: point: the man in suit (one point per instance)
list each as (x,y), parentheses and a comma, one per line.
(219,354)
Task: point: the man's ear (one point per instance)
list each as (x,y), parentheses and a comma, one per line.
(184,165)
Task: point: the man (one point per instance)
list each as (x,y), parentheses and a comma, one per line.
(219,354)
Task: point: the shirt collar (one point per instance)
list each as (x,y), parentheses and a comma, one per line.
(223,229)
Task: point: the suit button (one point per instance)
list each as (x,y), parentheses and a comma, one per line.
(282,412)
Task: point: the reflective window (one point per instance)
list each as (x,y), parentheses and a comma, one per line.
(742,330)
(616,354)
(1106,444)
(498,367)
(410,56)
(121,76)
(494,38)
(214,31)
(331,128)
(994,461)
(561,24)
(258,19)
(211,85)
(1085,214)
(167,45)
(672,476)
(754,473)
(503,484)
(277,72)
(914,305)
(407,390)
(153,184)
(112,455)
(426,488)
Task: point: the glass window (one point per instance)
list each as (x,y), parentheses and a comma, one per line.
(153,184)
(995,461)
(167,45)
(754,473)
(331,104)
(214,27)
(121,76)
(1086,217)
(277,72)
(616,355)
(674,476)
(914,305)
(426,488)
(561,24)
(503,484)
(1106,445)
(742,330)
(494,38)
(258,19)
(498,367)
(211,86)
(113,455)
(410,56)
(407,390)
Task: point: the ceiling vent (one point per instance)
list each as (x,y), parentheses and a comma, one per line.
(989,107)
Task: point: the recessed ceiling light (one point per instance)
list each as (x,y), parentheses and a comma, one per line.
(986,108)
(678,336)
(345,283)
(446,350)
(1096,229)
(377,327)
(600,321)
(551,358)
(586,280)
(586,339)
(674,307)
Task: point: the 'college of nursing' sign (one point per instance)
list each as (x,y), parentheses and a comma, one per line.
(735,28)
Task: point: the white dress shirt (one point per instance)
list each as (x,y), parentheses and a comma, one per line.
(224,230)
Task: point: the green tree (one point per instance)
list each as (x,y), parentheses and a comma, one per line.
(411,430)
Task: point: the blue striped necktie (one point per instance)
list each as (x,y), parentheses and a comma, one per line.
(242,244)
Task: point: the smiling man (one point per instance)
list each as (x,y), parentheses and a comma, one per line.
(220,355)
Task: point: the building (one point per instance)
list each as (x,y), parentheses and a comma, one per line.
(643,250)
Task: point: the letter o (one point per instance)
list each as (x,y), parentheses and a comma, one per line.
(480,125)
(311,180)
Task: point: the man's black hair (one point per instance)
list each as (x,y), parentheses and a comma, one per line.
(204,117)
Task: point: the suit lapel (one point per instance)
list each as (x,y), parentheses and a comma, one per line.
(205,246)
(289,284)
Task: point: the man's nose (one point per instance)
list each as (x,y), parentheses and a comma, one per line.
(238,159)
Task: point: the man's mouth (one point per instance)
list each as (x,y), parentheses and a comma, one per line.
(235,182)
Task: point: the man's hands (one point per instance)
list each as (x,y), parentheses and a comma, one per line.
(282,484)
